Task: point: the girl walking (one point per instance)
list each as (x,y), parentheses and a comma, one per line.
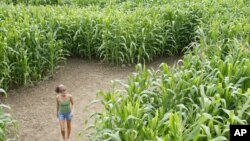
(65,110)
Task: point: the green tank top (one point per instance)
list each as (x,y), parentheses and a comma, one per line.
(64,106)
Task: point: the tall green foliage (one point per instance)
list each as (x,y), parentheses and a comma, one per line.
(6,121)
(35,39)
(197,100)
(193,101)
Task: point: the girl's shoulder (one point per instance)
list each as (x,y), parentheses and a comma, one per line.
(58,97)
(69,95)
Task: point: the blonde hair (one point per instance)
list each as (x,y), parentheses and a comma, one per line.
(60,88)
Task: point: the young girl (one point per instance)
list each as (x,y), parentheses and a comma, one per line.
(65,110)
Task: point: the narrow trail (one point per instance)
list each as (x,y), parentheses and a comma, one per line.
(34,107)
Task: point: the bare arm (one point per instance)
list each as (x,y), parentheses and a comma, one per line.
(72,104)
(57,106)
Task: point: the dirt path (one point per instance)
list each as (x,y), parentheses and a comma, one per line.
(34,107)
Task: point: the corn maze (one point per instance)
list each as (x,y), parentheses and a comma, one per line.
(196,100)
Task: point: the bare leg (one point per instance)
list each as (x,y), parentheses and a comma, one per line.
(62,125)
(69,128)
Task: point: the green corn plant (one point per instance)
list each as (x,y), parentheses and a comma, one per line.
(6,121)
(196,100)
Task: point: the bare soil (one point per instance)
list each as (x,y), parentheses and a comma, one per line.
(34,107)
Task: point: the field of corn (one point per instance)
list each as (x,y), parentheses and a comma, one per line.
(35,38)
(196,100)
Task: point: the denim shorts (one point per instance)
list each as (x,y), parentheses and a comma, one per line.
(65,116)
